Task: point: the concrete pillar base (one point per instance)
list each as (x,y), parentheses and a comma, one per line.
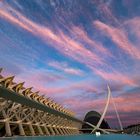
(8,129)
(21,130)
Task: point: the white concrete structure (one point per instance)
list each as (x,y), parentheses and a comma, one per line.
(23,112)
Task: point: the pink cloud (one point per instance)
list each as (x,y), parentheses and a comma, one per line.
(119,37)
(46,83)
(116,76)
(77,51)
(63,66)
(38,79)
(74,49)
(80,34)
(8,16)
(127,103)
(133,26)
(42,76)
(107,12)
(86,105)
(61,41)
(67,89)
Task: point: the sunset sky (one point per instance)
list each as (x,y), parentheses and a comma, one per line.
(70,50)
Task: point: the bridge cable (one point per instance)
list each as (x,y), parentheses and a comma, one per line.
(118,117)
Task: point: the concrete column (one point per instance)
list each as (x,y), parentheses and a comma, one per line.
(64,132)
(51,129)
(46,130)
(7,124)
(57,132)
(32,130)
(7,128)
(74,131)
(60,130)
(77,131)
(40,130)
(69,131)
(21,130)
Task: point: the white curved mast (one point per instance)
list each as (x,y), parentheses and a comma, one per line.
(105,110)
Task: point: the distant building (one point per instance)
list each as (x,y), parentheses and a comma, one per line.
(93,117)
(132,129)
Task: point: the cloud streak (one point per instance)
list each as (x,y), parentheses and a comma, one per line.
(133,26)
(61,42)
(116,76)
(63,66)
(119,37)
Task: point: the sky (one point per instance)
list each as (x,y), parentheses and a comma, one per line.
(70,50)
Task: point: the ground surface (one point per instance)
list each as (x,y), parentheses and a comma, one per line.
(79,137)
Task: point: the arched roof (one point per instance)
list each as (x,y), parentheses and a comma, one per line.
(91,114)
